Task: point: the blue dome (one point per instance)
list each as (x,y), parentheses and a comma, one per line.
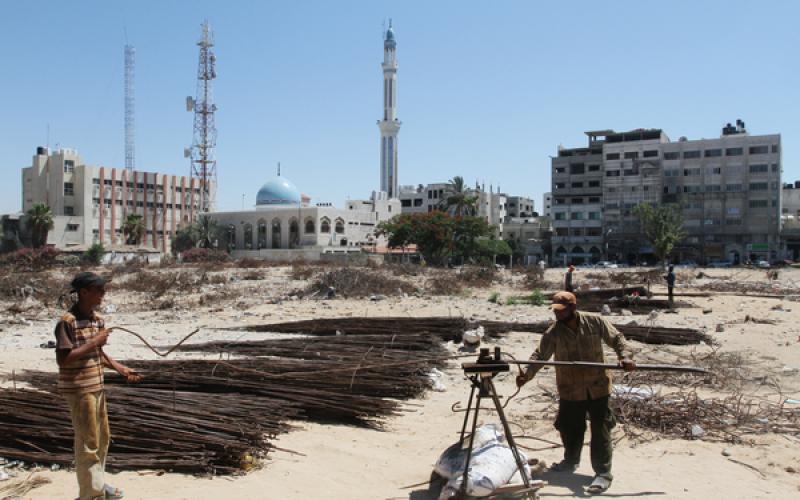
(278,191)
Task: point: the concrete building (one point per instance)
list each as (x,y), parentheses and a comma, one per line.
(90,203)
(790,219)
(547,204)
(727,188)
(491,205)
(285,226)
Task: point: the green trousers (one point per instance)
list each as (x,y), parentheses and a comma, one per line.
(571,423)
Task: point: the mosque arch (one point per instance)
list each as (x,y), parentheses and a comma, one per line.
(294,233)
(324,225)
(309,226)
(276,233)
(339,225)
(248,236)
(231,234)
(577,250)
(262,234)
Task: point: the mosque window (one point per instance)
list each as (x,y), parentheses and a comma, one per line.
(339,226)
(325,226)
(309,226)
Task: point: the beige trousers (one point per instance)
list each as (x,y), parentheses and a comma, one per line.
(90,422)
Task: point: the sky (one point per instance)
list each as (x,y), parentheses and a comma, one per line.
(486,90)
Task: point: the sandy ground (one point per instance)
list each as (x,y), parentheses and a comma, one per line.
(342,462)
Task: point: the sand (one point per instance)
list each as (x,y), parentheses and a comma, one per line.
(342,462)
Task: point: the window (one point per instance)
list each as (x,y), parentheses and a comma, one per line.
(645,188)
(612,156)
(339,226)
(653,153)
(734,152)
(561,185)
(69,189)
(594,199)
(714,171)
(560,216)
(758,203)
(612,173)
(107,182)
(69,165)
(562,231)
(576,231)
(691,154)
(691,172)
(576,216)
(713,153)
(758,186)
(96,182)
(713,188)
(733,221)
(671,155)
(594,215)
(576,185)
(561,170)
(759,150)
(576,168)
(631,155)
(774,167)
(325,226)
(309,229)
(417,202)
(612,190)
(69,210)
(577,201)
(630,171)
(72,227)
(759,168)
(733,187)
(775,148)
(405,203)
(594,168)
(594,184)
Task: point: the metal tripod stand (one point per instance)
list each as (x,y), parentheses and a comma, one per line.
(481,374)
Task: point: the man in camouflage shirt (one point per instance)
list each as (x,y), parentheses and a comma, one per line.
(579,337)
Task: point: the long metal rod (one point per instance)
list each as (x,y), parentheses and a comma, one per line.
(609,366)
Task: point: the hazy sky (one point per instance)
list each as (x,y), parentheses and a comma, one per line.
(486,90)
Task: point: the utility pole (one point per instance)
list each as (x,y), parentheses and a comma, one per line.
(203,163)
(130,106)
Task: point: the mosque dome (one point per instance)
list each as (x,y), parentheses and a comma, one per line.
(278,191)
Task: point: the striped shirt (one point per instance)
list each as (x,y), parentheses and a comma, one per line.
(84,375)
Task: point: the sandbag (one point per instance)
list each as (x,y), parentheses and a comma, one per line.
(492,464)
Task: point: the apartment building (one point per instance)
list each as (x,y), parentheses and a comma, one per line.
(727,188)
(90,203)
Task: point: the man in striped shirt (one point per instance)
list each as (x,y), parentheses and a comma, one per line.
(80,337)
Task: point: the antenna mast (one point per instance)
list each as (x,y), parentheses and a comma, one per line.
(203,164)
(130,105)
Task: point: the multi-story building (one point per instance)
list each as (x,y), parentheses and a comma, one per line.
(790,219)
(519,206)
(491,205)
(547,204)
(90,203)
(728,190)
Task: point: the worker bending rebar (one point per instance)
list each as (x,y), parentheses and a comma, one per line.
(579,336)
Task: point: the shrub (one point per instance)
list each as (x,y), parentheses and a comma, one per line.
(204,255)
(494,298)
(94,255)
(31,258)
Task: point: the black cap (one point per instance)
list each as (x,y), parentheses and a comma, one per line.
(85,280)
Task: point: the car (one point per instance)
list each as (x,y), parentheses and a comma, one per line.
(720,263)
(606,264)
(763,264)
(687,263)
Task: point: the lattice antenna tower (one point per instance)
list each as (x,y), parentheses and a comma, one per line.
(203,163)
(130,108)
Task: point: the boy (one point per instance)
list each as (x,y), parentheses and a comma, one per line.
(80,336)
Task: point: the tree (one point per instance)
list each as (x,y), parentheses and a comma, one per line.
(661,225)
(489,248)
(437,235)
(457,199)
(133,228)
(208,232)
(40,220)
(185,238)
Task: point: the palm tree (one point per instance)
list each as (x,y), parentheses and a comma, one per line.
(457,199)
(40,219)
(207,232)
(133,229)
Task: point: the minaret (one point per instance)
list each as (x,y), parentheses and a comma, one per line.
(390,125)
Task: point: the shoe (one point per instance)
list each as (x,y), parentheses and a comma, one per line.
(599,485)
(564,466)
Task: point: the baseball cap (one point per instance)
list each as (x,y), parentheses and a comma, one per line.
(86,280)
(562,300)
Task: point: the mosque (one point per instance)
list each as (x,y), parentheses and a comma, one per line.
(284,225)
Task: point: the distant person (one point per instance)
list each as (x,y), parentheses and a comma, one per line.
(579,336)
(542,266)
(80,337)
(670,277)
(568,286)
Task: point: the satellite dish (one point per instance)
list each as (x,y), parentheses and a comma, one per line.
(187,152)
(189,103)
